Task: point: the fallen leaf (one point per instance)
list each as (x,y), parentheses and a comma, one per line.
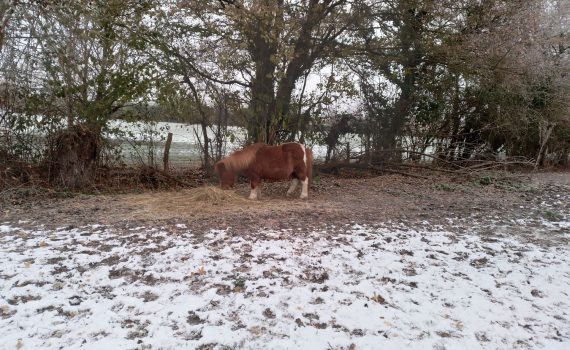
(43,244)
(458,325)
(378,298)
(256,330)
(27,264)
(19,344)
(201,271)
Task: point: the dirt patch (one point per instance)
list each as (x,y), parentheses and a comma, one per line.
(334,201)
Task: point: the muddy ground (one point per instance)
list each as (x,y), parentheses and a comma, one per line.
(334,200)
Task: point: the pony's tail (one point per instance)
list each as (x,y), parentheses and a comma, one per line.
(309,165)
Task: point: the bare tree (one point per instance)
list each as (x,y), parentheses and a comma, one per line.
(265,47)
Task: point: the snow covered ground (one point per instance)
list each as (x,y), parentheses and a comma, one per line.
(352,287)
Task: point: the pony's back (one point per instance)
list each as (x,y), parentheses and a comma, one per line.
(242,159)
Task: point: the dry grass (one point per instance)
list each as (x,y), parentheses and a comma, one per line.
(214,195)
(204,201)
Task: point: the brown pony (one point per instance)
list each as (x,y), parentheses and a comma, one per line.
(263,162)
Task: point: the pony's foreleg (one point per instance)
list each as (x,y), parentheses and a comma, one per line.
(293,186)
(253,194)
(255,190)
(305,189)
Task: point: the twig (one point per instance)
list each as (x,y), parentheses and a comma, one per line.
(370,167)
(424,167)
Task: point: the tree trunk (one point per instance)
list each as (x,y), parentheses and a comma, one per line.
(283,102)
(411,55)
(270,110)
(544,131)
(203,123)
(206,150)
(73,155)
(262,104)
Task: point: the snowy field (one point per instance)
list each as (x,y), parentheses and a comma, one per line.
(185,148)
(354,287)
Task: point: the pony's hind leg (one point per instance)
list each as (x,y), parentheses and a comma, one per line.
(293,186)
(301,174)
(305,189)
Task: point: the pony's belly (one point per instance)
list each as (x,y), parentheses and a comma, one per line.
(275,174)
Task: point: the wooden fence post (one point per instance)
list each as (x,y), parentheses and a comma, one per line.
(167,151)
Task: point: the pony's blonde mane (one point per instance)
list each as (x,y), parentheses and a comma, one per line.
(240,160)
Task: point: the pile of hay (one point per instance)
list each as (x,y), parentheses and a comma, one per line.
(213,195)
(190,202)
(201,202)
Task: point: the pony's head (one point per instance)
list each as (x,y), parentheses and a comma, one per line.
(226,175)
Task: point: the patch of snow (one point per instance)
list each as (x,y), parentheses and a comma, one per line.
(6,228)
(391,287)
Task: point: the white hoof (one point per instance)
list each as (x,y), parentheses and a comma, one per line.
(253,195)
